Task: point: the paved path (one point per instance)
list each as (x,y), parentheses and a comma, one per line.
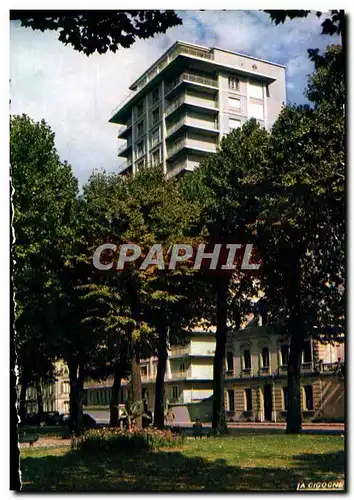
(47,442)
(102,417)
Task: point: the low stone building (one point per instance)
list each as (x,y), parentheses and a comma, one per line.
(256,377)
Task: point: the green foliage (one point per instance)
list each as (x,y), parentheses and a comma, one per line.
(44,202)
(126,441)
(99,31)
(301,229)
(333,25)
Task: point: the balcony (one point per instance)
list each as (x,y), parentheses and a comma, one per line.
(124,149)
(179,375)
(177,352)
(264,370)
(149,377)
(184,99)
(197,53)
(155,70)
(176,169)
(184,142)
(122,131)
(246,372)
(337,367)
(307,367)
(230,374)
(191,78)
(208,127)
(126,167)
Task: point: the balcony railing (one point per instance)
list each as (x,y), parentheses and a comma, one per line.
(229,373)
(159,67)
(175,126)
(187,143)
(125,165)
(125,127)
(331,367)
(246,372)
(184,99)
(123,147)
(308,366)
(177,351)
(175,105)
(176,169)
(264,370)
(190,77)
(178,51)
(148,377)
(186,120)
(193,52)
(181,374)
(176,147)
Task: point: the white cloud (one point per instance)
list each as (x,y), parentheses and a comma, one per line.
(76,94)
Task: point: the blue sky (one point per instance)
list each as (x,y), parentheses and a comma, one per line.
(76,94)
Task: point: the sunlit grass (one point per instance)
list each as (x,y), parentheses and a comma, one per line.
(239,463)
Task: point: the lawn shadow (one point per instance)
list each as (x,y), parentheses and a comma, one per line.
(169,471)
(324,462)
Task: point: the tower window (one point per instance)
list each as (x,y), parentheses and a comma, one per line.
(234,83)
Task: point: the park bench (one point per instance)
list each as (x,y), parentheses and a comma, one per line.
(201,431)
(28,438)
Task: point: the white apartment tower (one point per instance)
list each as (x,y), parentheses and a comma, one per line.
(180,108)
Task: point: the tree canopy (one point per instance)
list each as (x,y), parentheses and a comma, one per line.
(98,31)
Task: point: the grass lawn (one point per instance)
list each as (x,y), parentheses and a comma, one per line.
(245,462)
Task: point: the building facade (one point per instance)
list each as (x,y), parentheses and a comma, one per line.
(180,108)
(189,371)
(256,377)
(55,394)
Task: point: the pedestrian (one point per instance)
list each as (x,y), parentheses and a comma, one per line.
(198,428)
(170,418)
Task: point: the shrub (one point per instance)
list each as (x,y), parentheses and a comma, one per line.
(125,441)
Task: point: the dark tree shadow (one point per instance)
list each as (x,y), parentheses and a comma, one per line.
(169,471)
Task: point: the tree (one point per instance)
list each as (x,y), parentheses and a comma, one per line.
(44,194)
(156,214)
(227,190)
(301,229)
(99,31)
(142,309)
(333,25)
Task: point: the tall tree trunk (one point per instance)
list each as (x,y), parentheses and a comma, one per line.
(114,403)
(39,400)
(219,425)
(81,379)
(74,395)
(15,481)
(297,335)
(23,407)
(136,383)
(159,420)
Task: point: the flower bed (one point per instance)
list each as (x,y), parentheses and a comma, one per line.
(118,440)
